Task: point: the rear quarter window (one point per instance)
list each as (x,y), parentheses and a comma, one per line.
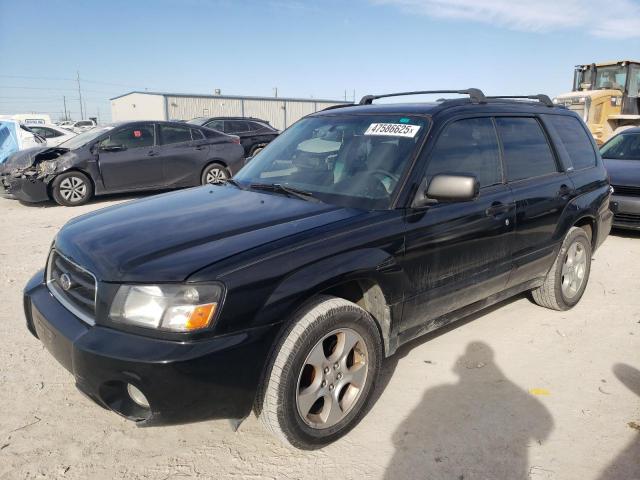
(575,140)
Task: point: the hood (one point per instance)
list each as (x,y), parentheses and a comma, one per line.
(623,172)
(168,237)
(28,157)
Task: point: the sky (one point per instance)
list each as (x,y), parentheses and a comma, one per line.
(318,49)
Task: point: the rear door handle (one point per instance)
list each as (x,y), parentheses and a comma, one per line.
(152,153)
(496,209)
(201,147)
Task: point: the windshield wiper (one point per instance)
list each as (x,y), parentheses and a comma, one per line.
(231,181)
(280,188)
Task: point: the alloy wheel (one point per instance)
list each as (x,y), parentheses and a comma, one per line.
(332,378)
(574,269)
(216,175)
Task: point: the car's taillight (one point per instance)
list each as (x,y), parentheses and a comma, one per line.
(235,140)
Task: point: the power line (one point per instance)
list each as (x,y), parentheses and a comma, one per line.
(56,88)
(99,82)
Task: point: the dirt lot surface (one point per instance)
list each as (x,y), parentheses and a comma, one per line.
(516,392)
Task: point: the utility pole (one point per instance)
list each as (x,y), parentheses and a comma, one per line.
(64,102)
(80,93)
(275,92)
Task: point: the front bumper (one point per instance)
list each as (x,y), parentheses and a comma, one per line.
(25,189)
(627,211)
(183,381)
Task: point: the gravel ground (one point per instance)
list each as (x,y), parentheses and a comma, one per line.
(513,393)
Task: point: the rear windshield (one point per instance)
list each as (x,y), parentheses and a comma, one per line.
(348,160)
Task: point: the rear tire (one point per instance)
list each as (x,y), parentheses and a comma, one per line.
(256,149)
(71,189)
(566,281)
(214,174)
(322,374)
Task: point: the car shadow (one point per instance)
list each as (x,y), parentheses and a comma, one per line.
(482,426)
(107,198)
(627,463)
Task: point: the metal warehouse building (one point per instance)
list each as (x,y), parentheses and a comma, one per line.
(280,112)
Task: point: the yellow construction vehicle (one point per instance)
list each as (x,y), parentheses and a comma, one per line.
(605,95)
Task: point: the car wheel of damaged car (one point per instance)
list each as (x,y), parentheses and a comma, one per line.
(71,189)
(215,174)
(322,374)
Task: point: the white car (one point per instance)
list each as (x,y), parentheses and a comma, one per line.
(14,137)
(53,134)
(82,126)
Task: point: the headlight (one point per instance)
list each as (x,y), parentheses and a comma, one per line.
(176,308)
(47,167)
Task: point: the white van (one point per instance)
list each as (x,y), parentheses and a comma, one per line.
(28,118)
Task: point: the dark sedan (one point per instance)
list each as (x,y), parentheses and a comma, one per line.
(254,133)
(621,157)
(121,157)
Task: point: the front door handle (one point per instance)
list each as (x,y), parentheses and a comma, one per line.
(201,147)
(152,153)
(496,209)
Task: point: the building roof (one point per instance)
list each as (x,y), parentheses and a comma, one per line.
(231,97)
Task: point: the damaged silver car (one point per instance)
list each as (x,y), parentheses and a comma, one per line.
(123,157)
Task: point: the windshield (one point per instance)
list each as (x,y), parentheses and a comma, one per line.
(347,160)
(625,146)
(614,77)
(84,138)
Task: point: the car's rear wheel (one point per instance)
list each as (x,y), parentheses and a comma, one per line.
(214,174)
(567,280)
(322,375)
(256,149)
(71,189)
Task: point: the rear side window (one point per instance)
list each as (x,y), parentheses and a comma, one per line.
(235,126)
(468,146)
(575,140)
(526,151)
(175,134)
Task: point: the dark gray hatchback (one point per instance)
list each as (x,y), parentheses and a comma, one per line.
(122,157)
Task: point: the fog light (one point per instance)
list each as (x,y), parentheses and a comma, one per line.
(137,396)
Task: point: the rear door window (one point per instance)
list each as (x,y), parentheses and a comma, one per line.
(468,146)
(575,139)
(216,125)
(527,152)
(174,134)
(235,126)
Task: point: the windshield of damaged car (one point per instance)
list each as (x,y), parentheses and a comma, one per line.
(347,160)
(84,138)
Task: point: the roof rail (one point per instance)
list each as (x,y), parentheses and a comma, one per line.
(475,95)
(340,105)
(540,97)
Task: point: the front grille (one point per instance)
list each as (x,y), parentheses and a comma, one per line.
(627,219)
(626,190)
(73,286)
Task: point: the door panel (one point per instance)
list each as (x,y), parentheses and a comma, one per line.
(137,166)
(457,254)
(183,158)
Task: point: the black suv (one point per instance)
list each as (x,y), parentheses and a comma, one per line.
(360,228)
(254,133)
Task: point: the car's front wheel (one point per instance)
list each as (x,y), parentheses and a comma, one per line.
(322,374)
(215,174)
(71,189)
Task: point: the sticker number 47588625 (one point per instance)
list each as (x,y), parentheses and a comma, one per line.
(393,129)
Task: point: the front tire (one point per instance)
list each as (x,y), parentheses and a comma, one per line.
(567,280)
(71,189)
(214,174)
(322,374)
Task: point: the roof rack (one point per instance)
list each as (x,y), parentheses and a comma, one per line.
(475,95)
(340,105)
(540,97)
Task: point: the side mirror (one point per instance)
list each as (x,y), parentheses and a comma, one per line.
(448,188)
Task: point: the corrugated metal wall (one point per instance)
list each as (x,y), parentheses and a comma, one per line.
(280,113)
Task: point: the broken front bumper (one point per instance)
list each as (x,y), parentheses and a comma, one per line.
(25,189)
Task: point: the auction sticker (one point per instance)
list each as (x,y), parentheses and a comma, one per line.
(393,129)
